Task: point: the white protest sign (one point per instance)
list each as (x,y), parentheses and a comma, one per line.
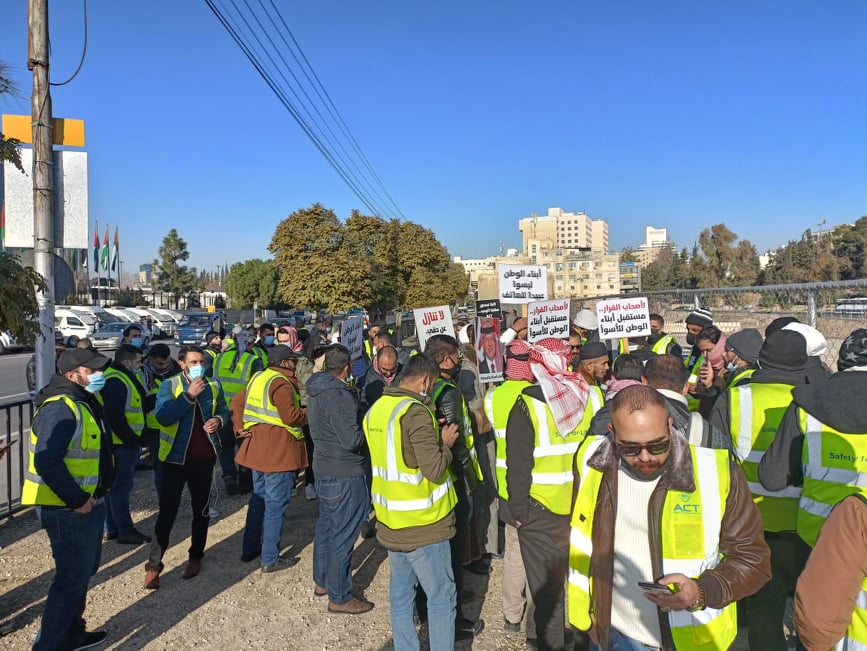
(623,317)
(430,321)
(352,335)
(548,319)
(522,284)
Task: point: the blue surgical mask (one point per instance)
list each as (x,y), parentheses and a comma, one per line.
(269,340)
(731,366)
(136,341)
(95,382)
(195,372)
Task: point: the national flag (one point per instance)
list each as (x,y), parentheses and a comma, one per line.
(95,248)
(83,257)
(114,251)
(74,259)
(104,253)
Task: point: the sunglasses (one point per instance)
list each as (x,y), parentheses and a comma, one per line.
(634,449)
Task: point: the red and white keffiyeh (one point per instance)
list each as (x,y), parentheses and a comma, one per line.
(565,392)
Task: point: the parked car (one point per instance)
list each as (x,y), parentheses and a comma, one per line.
(195,325)
(74,325)
(110,336)
(8,342)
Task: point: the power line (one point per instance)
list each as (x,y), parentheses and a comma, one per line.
(83,53)
(319,131)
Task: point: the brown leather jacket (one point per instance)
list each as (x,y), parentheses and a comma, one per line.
(747,563)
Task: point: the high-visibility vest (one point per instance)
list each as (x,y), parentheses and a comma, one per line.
(81,460)
(168,433)
(261,354)
(694,366)
(234,380)
(551,479)
(835,466)
(402,497)
(151,416)
(741,376)
(756,410)
(856,633)
(498,403)
(368,348)
(466,424)
(689,533)
(661,346)
(133,409)
(258,407)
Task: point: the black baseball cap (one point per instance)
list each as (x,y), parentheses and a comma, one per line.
(76,357)
(280,353)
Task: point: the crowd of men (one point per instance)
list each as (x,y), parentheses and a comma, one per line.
(670,497)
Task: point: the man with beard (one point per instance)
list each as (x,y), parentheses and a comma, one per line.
(489,361)
(650,505)
(659,341)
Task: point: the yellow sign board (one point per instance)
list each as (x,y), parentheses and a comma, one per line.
(66,132)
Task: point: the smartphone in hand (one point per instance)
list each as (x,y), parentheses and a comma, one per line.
(655,588)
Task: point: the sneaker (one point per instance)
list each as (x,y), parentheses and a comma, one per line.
(109,535)
(352,607)
(467,629)
(510,628)
(134,537)
(281,563)
(90,640)
(310,492)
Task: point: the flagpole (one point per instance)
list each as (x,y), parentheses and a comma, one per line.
(95,266)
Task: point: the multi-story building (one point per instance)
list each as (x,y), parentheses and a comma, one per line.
(561,230)
(630,278)
(582,274)
(655,241)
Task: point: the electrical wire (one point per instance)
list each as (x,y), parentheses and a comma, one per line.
(83,53)
(313,121)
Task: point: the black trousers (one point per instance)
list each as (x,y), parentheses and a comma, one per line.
(765,610)
(196,475)
(544,542)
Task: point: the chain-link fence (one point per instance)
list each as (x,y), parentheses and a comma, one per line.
(834,308)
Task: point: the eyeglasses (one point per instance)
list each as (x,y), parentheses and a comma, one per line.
(634,449)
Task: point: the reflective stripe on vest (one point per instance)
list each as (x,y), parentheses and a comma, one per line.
(81,459)
(856,633)
(233,380)
(258,407)
(133,409)
(498,404)
(690,530)
(151,417)
(756,412)
(741,376)
(168,433)
(402,497)
(661,346)
(835,466)
(551,479)
(466,425)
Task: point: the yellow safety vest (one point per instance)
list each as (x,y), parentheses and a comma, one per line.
(661,346)
(694,369)
(551,479)
(258,407)
(756,410)
(498,403)
(741,376)
(168,433)
(466,424)
(690,530)
(234,380)
(151,417)
(81,460)
(402,497)
(133,409)
(835,467)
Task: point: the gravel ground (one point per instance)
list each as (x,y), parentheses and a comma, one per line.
(230,604)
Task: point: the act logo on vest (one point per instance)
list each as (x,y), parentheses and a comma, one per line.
(687,509)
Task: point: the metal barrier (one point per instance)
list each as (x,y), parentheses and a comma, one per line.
(736,308)
(15,421)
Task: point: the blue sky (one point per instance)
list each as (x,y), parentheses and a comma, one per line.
(474,114)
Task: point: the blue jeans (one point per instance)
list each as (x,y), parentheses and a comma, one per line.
(619,642)
(431,567)
(117,517)
(76,544)
(275,491)
(343,504)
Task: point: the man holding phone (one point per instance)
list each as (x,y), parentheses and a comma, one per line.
(650,505)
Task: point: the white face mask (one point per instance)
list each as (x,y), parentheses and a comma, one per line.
(731,366)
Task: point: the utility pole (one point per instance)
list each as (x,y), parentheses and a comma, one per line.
(43,183)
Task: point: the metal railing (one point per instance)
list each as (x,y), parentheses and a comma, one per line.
(15,421)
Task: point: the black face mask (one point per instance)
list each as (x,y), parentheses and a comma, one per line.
(451,373)
(690,339)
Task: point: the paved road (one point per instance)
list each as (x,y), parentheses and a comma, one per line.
(13,388)
(13,383)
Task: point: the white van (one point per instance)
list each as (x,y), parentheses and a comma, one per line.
(123,315)
(74,325)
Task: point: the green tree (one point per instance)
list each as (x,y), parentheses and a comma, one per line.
(725,261)
(850,243)
(19,311)
(656,275)
(252,281)
(628,255)
(431,277)
(378,240)
(168,274)
(10,148)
